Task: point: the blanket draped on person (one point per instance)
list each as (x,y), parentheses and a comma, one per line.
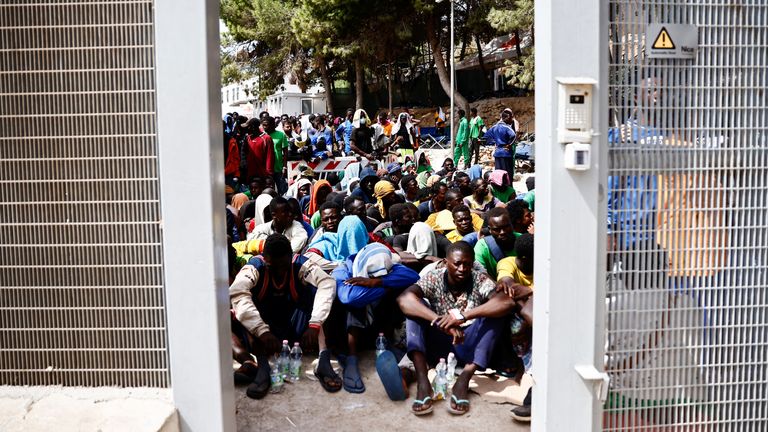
(262,203)
(421,241)
(313,204)
(350,237)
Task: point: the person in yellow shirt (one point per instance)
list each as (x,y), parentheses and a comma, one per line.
(444,220)
(519,268)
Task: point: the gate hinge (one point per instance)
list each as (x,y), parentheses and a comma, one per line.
(590,373)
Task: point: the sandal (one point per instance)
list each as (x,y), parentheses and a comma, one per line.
(353,382)
(246,373)
(422,403)
(458,402)
(326,375)
(260,385)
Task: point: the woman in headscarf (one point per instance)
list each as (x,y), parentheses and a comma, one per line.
(384,192)
(320,192)
(350,237)
(404,137)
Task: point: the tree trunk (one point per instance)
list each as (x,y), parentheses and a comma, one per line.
(518,50)
(442,71)
(326,78)
(481,61)
(389,87)
(359,83)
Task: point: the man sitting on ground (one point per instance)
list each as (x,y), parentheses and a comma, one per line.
(481,199)
(463,317)
(330,216)
(442,221)
(283,222)
(465,223)
(434,205)
(521,216)
(491,249)
(279,297)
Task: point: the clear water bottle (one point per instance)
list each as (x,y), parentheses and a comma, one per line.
(451,371)
(276,378)
(440,383)
(295,363)
(381,344)
(283,362)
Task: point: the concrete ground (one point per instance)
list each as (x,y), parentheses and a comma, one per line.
(306,406)
(64,409)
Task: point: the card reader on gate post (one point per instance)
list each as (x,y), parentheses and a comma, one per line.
(574,121)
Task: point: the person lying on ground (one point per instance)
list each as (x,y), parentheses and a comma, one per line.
(278,297)
(463,317)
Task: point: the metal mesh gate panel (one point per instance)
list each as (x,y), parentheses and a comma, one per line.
(81,289)
(687,306)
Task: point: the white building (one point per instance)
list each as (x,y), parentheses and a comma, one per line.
(289,99)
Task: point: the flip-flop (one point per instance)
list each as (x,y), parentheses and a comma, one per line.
(321,376)
(391,378)
(422,402)
(458,402)
(260,385)
(353,382)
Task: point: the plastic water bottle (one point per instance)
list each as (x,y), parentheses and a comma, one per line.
(381,344)
(440,383)
(276,378)
(295,366)
(283,362)
(451,371)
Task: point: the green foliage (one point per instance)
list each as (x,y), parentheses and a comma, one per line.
(517,19)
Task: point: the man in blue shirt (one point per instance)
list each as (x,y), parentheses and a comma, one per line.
(344,131)
(502,135)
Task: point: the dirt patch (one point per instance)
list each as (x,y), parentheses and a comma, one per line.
(489,110)
(306,406)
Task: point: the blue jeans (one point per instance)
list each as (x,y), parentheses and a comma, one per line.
(477,348)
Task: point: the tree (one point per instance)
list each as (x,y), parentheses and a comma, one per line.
(517,20)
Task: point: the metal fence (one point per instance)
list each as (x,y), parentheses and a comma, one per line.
(687,306)
(81,280)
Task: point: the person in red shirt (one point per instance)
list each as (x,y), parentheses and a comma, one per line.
(259,152)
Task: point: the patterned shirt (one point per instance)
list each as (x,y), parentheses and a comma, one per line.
(433,285)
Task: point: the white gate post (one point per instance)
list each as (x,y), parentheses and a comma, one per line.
(192,188)
(571,41)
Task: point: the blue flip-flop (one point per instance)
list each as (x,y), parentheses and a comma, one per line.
(390,376)
(422,402)
(458,402)
(353,382)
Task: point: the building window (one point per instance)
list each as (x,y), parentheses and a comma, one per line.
(306,106)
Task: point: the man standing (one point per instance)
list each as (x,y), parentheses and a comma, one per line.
(502,135)
(279,297)
(344,131)
(281,149)
(259,152)
(461,147)
(462,317)
(476,126)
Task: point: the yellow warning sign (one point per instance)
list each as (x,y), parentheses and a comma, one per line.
(663,41)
